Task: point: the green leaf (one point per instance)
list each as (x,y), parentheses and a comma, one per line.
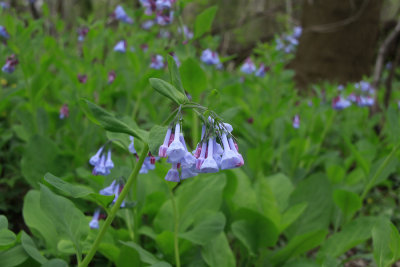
(13,257)
(31,249)
(70,221)
(41,155)
(194,78)
(145,256)
(174,74)
(168,90)
(55,263)
(291,215)
(78,191)
(217,252)
(351,235)
(298,245)
(348,202)
(254,230)
(37,220)
(205,230)
(156,138)
(110,251)
(3,222)
(7,237)
(110,123)
(204,21)
(386,243)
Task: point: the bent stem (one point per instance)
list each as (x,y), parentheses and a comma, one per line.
(115,208)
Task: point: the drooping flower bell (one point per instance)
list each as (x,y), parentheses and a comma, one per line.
(176,151)
(230,158)
(3,33)
(296,121)
(115,189)
(94,223)
(10,65)
(210,57)
(340,102)
(132,145)
(157,62)
(120,14)
(262,70)
(248,67)
(64,112)
(209,164)
(102,163)
(173,174)
(121,46)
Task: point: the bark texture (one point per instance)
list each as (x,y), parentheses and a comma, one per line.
(339,40)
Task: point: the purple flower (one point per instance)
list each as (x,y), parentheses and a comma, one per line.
(94,223)
(173,174)
(120,14)
(210,57)
(64,112)
(11,62)
(132,146)
(297,31)
(365,101)
(234,147)
(340,87)
(201,158)
(176,150)
(120,46)
(4,5)
(229,159)
(186,32)
(209,165)
(163,4)
(178,63)
(340,103)
(157,62)
(113,189)
(82,32)
(162,151)
(296,121)
(4,33)
(248,67)
(149,5)
(82,78)
(148,24)
(111,76)
(102,164)
(164,18)
(262,70)
(94,160)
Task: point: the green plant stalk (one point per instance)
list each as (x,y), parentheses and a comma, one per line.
(195,129)
(115,208)
(176,229)
(379,171)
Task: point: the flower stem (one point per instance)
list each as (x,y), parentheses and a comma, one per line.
(176,228)
(115,208)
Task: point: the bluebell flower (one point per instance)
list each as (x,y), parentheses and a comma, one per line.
(365,101)
(4,33)
(109,163)
(102,163)
(117,190)
(178,63)
(173,174)
(209,164)
(186,32)
(4,5)
(94,160)
(164,18)
(120,46)
(120,14)
(210,57)
(109,190)
(248,67)
(148,24)
(163,4)
(176,150)
(261,71)
(100,168)
(340,102)
(64,112)
(94,223)
(229,159)
(10,65)
(296,121)
(149,5)
(157,62)
(297,31)
(132,145)
(162,151)
(234,147)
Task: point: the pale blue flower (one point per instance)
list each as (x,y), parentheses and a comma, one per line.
(173,174)
(94,223)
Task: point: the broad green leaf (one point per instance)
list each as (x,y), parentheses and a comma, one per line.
(291,215)
(70,221)
(254,230)
(204,21)
(156,138)
(194,78)
(174,74)
(13,257)
(205,230)
(348,202)
(3,222)
(386,243)
(127,257)
(217,252)
(298,245)
(145,256)
(41,155)
(168,90)
(78,191)
(316,191)
(109,122)
(55,263)
(110,251)
(37,220)
(7,237)
(31,249)
(379,173)
(351,235)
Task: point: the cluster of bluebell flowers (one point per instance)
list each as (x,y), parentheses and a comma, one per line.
(161,8)
(288,42)
(102,162)
(216,151)
(120,15)
(210,57)
(363,95)
(10,65)
(249,67)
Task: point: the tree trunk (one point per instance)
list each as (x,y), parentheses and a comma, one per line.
(339,41)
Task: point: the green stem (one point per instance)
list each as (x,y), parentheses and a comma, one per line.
(379,171)
(176,228)
(195,129)
(115,208)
